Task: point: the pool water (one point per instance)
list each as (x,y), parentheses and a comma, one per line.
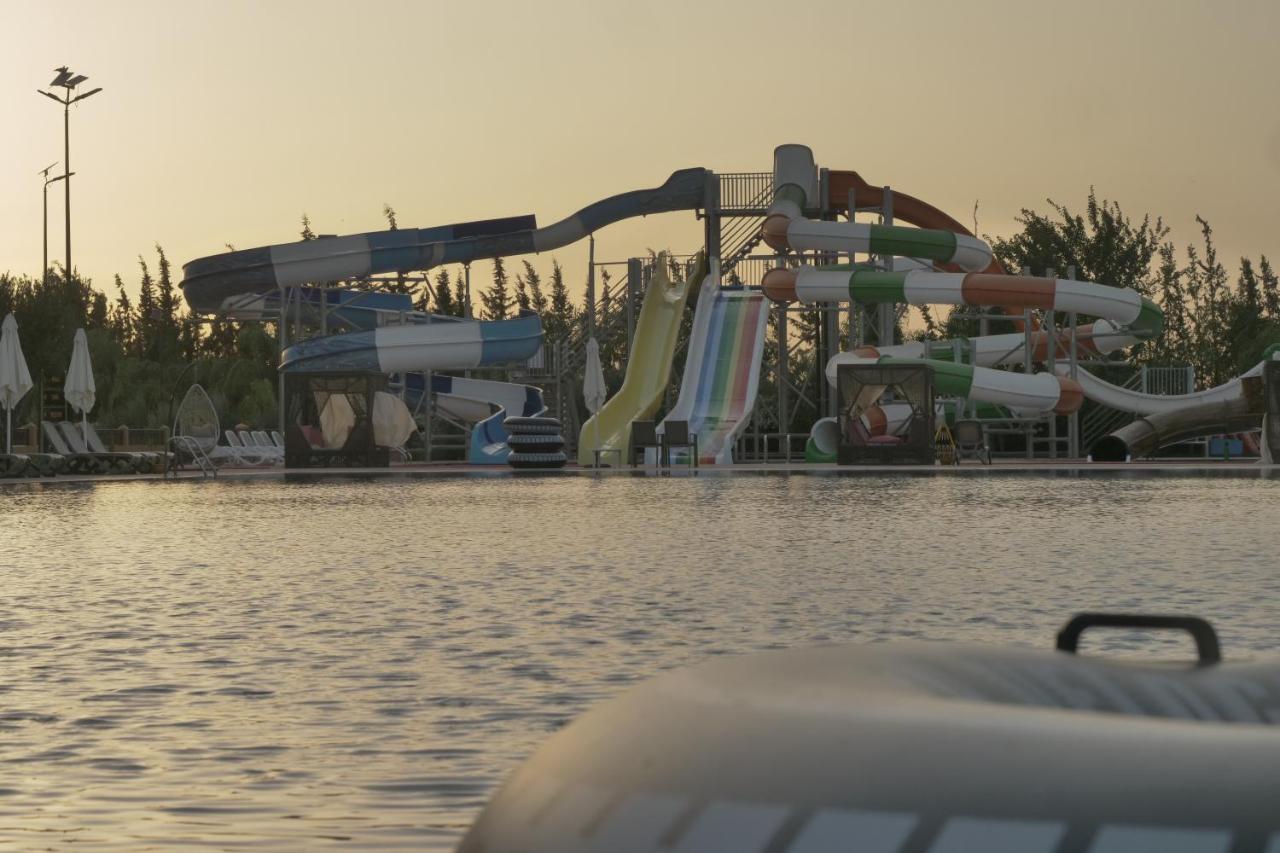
(275,664)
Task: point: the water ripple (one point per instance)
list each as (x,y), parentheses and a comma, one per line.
(327,662)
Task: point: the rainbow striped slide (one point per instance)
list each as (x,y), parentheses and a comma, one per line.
(722,373)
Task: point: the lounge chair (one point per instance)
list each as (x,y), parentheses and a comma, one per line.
(971,440)
(260,442)
(237,452)
(145,460)
(277,439)
(676,434)
(644,435)
(75,463)
(118,463)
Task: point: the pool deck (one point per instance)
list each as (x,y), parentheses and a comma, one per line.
(1062,467)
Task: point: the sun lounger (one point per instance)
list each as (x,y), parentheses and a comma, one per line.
(75,463)
(257,440)
(263,441)
(277,439)
(117,463)
(238,453)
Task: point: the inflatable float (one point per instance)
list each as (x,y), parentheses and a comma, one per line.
(914,748)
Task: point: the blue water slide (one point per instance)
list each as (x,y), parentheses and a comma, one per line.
(482,402)
(449,344)
(217,282)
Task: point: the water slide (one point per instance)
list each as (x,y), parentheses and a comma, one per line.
(972,278)
(250,281)
(648,365)
(483,403)
(212,283)
(722,373)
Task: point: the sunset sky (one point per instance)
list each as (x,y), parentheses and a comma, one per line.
(223,122)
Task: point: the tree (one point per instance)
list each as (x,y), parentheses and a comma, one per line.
(1104,245)
(307,233)
(1270,289)
(537,298)
(121,320)
(522,293)
(562,314)
(167,322)
(145,325)
(496,300)
(445,303)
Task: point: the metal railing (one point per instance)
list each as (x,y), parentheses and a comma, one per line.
(741,193)
(1168,381)
(125,439)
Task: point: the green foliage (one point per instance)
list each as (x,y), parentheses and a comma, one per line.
(562,315)
(1104,244)
(1217,326)
(139,352)
(497,300)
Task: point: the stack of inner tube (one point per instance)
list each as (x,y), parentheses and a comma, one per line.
(535,443)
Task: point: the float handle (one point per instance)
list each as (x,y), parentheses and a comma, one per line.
(1206,638)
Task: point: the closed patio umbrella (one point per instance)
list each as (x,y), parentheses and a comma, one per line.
(15,379)
(79,389)
(594,390)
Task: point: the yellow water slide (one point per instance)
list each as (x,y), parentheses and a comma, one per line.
(648,366)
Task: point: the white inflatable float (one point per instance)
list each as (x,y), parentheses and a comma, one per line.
(914,748)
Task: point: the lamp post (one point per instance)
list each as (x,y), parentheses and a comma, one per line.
(68,80)
(44,263)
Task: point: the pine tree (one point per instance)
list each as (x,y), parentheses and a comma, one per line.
(496,300)
(389,213)
(537,298)
(1270,288)
(145,321)
(445,303)
(560,320)
(307,233)
(121,320)
(167,323)
(1250,292)
(522,293)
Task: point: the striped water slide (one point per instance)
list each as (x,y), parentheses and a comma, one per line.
(648,367)
(445,345)
(722,373)
(217,282)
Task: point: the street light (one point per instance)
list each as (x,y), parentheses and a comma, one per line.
(68,80)
(44,264)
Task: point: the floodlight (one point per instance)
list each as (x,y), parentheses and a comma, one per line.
(63,75)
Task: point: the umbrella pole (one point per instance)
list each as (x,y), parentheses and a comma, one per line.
(8,430)
(84,427)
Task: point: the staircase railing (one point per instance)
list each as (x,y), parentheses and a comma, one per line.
(187,444)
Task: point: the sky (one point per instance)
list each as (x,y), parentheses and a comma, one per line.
(224,122)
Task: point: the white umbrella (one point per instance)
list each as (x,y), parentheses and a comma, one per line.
(15,379)
(79,389)
(593,387)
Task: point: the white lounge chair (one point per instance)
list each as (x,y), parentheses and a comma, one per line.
(258,440)
(237,453)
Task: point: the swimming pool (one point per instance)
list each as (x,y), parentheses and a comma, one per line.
(291,664)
